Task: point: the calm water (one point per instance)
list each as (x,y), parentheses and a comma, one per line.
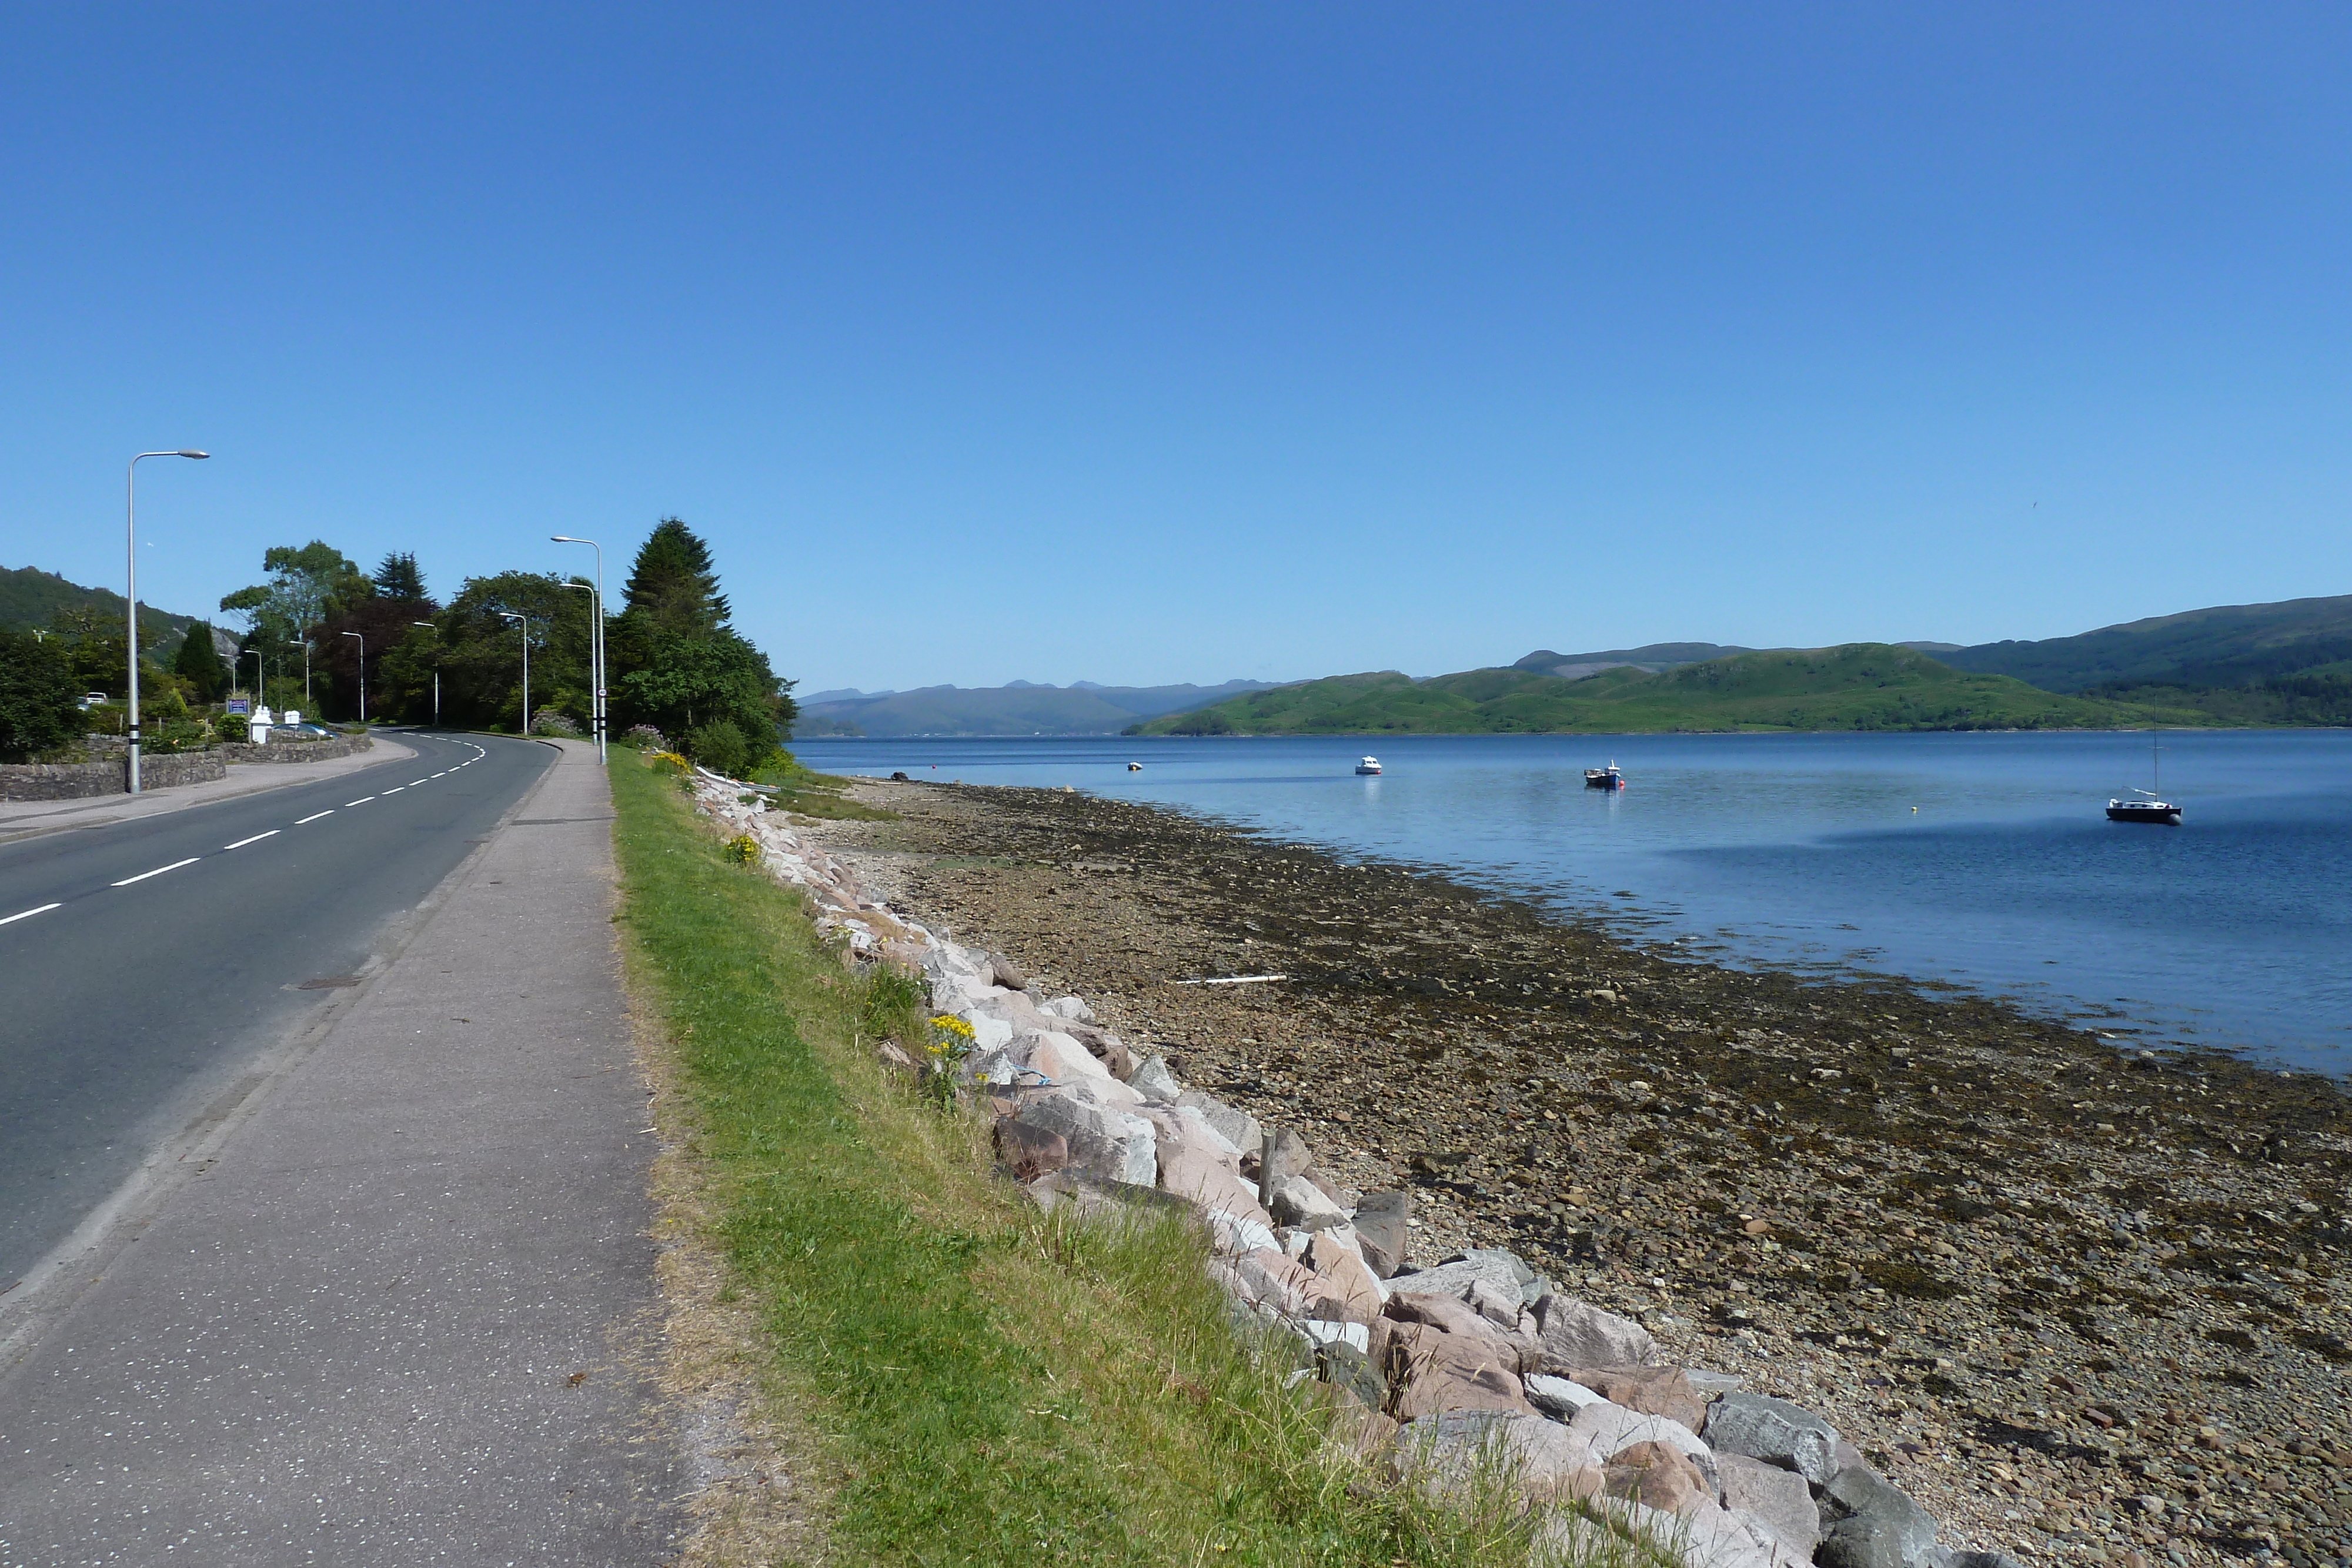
(1980,859)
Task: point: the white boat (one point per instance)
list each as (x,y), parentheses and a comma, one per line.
(2152,806)
(1369,764)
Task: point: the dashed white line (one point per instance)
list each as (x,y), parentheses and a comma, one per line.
(394,791)
(361,801)
(413,783)
(29,913)
(316,815)
(159,870)
(255,840)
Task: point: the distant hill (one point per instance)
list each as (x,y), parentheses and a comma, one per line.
(1861,685)
(1653,657)
(1020,708)
(2229,646)
(31,598)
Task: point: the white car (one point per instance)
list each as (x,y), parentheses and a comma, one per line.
(93,699)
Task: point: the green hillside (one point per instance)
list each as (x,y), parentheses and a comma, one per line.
(31,598)
(2229,646)
(1861,685)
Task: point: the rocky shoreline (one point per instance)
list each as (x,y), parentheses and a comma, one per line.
(2082,1305)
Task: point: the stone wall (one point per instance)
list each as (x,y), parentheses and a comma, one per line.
(75,780)
(294,750)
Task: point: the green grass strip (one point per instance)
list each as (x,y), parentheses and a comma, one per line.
(994,1385)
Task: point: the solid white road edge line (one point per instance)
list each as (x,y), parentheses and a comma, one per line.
(315,816)
(255,840)
(29,913)
(159,870)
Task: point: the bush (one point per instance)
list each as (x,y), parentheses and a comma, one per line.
(721,746)
(551,721)
(642,738)
(37,707)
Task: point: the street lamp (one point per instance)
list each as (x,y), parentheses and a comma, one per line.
(595,668)
(525,622)
(436,668)
(597,649)
(130,538)
(362,642)
(260,692)
(305,646)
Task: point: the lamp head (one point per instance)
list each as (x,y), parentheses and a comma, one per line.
(191,452)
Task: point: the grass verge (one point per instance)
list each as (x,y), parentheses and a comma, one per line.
(991,1384)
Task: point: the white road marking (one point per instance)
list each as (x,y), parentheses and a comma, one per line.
(413,783)
(395,790)
(443,774)
(316,815)
(255,840)
(361,801)
(29,913)
(159,870)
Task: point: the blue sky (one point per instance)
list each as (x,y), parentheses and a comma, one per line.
(1158,343)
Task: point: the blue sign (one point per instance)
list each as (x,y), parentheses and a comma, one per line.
(242,705)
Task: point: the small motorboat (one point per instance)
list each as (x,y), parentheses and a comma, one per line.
(1135,768)
(1608,777)
(1368,766)
(2152,806)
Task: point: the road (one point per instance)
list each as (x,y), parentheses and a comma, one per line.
(143,965)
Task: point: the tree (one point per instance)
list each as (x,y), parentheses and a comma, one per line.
(689,681)
(672,587)
(199,663)
(37,711)
(398,578)
(307,585)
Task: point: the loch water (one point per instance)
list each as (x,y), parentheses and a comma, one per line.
(1979,860)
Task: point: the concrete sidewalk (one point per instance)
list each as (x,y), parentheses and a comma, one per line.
(31,818)
(409,1316)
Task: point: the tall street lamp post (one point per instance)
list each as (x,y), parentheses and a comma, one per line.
(525,622)
(596,649)
(362,642)
(595,670)
(260,692)
(130,538)
(436,668)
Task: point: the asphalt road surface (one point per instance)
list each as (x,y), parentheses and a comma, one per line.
(143,963)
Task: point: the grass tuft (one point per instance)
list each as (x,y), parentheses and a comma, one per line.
(993,1384)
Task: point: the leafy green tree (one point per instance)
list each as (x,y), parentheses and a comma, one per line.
(38,697)
(198,662)
(721,747)
(307,585)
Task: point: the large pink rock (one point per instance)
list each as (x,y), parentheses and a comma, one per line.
(1195,1166)
(1431,1372)
(1353,1284)
(1648,1390)
(1452,1315)
(1656,1475)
